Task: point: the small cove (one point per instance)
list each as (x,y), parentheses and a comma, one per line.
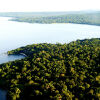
(6,58)
(3,59)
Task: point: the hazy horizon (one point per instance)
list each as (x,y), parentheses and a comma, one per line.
(50,11)
(48,5)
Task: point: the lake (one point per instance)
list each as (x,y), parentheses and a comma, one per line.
(17,34)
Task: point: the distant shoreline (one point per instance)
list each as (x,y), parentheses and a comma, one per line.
(80,17)
(51,23)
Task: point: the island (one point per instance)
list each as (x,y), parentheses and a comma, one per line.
(54,72)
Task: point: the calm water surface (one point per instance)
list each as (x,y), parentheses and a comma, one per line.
(5,58)
(3,95)
(17,34)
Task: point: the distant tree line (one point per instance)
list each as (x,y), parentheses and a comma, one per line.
(92,19)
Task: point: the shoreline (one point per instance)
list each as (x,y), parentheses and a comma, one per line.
(51,23)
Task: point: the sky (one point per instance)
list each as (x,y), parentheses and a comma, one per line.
(48,5)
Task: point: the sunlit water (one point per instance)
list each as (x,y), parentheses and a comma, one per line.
(5,58)
(17,34)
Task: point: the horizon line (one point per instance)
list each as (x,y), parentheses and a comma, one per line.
(47,11)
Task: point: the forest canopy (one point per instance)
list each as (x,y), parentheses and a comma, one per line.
(54,72)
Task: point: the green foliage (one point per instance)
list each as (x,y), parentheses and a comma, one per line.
(54,72)
(78,18)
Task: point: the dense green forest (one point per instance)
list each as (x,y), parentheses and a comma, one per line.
(78,17)
(92,19)
(54,72)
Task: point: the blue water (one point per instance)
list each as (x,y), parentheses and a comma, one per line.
(5,58)
(3,94)
(16,34)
